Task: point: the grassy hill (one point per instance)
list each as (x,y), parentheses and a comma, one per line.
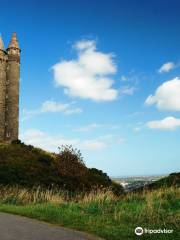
(60,189)
(172,180)
(27,166)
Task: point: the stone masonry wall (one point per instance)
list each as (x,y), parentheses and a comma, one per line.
(2,95)
(12,99)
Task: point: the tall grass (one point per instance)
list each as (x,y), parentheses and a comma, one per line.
(157,206)
(99,211)
(23,196)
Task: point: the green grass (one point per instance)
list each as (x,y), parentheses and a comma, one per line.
(102,213)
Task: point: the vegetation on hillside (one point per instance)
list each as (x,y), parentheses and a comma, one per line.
(27,166)
(172,180)
(60,189)
(99,212)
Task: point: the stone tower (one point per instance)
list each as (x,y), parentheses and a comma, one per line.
(3,67)
(9,92)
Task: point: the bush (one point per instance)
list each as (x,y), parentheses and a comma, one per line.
(16,141)
(71,167)
(69,162)
(98,177)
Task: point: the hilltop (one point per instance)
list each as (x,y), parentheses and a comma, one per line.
(28,166)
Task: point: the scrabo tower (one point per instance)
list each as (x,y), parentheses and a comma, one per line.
(9,90)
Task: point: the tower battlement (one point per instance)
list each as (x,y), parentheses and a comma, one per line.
(9,90)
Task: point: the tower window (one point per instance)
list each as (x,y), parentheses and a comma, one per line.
(8,134)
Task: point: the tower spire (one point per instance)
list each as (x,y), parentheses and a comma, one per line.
(1,44)
(14,42)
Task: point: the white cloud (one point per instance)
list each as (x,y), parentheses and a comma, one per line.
(100,142)
(167,96)
(88,76)
(133,77)
(41,139)
(85,44)
(89,127)
(52,106)
(167,67)
(51,143)
(124,78)
(168,123)
(95,126)
(126,90)
(66,108)
(94,144)
(137,129)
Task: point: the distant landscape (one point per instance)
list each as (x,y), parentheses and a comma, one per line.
(134,182)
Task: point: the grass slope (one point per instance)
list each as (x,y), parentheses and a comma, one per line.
(172,180)
(27,166)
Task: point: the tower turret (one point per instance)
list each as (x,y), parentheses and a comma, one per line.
(12,90)
(1,44)
(3,67)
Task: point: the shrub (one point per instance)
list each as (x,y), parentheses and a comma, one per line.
(16,141)
(69,162)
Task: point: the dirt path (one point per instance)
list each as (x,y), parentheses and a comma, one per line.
(13,227)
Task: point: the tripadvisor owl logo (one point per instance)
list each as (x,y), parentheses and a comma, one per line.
(139,231)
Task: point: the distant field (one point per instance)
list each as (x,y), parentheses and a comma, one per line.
(100,213)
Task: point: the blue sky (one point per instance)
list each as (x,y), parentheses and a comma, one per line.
(103,76)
